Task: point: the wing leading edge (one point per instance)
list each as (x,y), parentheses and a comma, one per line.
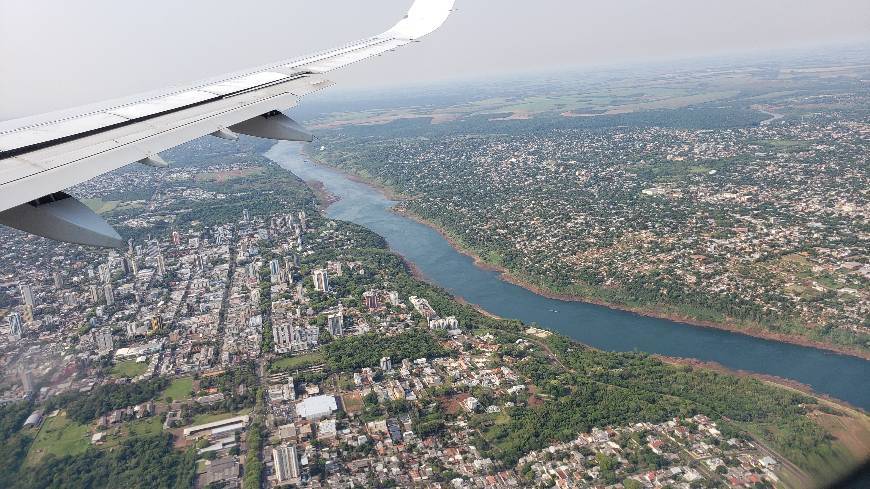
(40,156)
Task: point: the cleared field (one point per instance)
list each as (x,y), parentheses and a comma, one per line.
(352,403)
(295,362)
(144,427)
(179,389)
(59,436)
(101,206)
(129,369)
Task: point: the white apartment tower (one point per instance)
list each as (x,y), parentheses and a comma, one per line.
(27,295)
(109,294)
(321,280)
(335,324)
(16,328)
(386,364)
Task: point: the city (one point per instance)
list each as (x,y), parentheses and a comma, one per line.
(239,346)
(746,209)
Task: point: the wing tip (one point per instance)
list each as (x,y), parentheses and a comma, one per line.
(424,17)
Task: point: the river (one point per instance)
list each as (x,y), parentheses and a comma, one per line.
(840,376)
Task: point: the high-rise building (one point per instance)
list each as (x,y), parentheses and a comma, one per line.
(386,364)
(133,266)
(450,322)
(198,261)
(95,293)
(335,324)
(321,280)
(27,294)
(176,238)
(370,297)
(303,338)
(138,329)
(286,463)
(161,265)
(246,216)
(125,265)
(109,294)
(281,336)
(58,280)
(193,243)
(277,275)
(393,297)
(291,389)
(286,336)
(104,340)
(16,328)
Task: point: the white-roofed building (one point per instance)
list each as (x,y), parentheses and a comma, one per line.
(316,407)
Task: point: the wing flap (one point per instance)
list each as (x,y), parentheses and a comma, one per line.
(42,155)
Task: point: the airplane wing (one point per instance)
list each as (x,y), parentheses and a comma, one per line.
(40,156)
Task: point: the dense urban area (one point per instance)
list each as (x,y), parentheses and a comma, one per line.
(242,339)
(744,204)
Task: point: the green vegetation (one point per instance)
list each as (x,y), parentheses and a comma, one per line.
(13,441)
(253,464)
(666,221)
(105,398)
(59,436)
(355,352)
(296,362)
(238,385)
(598,389)
(144,427)
(129,369)
(179,389)
(148,461)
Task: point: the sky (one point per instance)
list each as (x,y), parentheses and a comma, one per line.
(58,54)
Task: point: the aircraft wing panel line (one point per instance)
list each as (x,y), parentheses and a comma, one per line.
(48,153)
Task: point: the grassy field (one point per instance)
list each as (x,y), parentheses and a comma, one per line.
(179,389)
(59,436)
(145,426)
(129,368)
(140,427)
(101,206)
(296,362)
(211,417)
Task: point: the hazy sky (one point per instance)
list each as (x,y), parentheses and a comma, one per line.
(58,53)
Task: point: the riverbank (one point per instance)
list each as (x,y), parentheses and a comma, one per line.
(324,198)
(770,379)
(506,276)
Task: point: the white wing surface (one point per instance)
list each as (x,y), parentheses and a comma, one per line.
(40,156)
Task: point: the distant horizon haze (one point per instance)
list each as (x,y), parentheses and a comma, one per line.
(59,55)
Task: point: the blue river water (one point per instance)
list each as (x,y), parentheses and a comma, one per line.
(840,376)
